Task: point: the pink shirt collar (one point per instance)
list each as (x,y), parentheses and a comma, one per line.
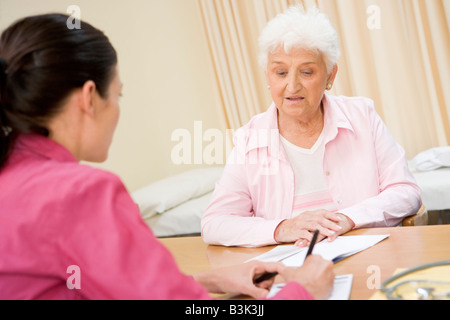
(264,131)
(43,146)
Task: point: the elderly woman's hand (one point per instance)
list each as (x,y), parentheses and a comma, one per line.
(301,228)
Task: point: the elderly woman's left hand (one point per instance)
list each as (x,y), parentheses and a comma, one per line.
(301,228)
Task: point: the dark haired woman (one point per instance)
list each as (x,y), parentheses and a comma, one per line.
(59,92)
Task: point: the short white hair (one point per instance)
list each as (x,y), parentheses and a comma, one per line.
(297,28)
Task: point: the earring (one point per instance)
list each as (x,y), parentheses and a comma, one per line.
(329,86)
(268,87)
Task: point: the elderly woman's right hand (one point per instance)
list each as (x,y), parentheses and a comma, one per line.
(301,228)
(315,275)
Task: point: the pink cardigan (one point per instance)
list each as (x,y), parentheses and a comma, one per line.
(366,171)
(56,214)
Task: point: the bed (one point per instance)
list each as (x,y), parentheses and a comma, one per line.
(431,168)
(173,206)
(435,185)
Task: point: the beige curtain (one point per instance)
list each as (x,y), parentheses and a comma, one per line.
(396,52)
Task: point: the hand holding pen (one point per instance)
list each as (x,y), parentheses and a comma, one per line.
(267,276)
(315,275)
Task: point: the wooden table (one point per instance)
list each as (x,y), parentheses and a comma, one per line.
(405,247)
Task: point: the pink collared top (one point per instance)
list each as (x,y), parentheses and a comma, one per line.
(366,173)
(70,231)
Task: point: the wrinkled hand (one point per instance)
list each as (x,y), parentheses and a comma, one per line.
(301,228)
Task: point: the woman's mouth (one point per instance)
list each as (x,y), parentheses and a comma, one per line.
(295,99)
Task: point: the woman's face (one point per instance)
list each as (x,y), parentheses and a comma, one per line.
(297,81)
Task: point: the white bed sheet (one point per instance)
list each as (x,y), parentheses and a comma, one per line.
(173,206)
(183,219)
(435,185)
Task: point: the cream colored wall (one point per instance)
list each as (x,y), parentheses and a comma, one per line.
(164,65)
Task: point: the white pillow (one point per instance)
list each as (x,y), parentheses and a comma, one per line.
(162,195)
(181,220)
(432,159)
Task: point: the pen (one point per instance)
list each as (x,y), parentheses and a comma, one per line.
(313,242)
(266,276)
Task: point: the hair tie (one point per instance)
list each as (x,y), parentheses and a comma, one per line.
(3,66)
(3,73)
(3,70)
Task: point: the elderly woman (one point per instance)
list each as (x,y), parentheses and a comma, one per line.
(61,221)
(312,160)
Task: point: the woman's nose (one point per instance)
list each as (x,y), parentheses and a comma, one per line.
(294,84)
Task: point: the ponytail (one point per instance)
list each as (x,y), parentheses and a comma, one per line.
(5,137)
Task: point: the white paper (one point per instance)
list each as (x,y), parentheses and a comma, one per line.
(341,247)
(279,253)
(341,289)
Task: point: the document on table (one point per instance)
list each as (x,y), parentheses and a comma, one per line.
(341,247)
(341,289)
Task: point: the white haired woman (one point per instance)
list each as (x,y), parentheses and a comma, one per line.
(312,160)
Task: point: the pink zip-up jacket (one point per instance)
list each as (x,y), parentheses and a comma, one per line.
(70,231)
(366,172)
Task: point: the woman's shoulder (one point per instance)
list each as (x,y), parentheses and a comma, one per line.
(74,182)
(352,107)
(258,131)
(90,177)
(346,101)
(74,171)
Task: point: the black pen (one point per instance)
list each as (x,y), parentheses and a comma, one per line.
(266,276)
(313,242)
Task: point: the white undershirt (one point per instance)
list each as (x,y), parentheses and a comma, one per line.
(311,189)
